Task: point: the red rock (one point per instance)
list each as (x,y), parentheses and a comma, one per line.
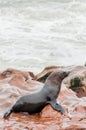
(13,84)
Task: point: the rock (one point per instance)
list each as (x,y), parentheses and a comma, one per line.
(11,72)
(15,83)
(77,80)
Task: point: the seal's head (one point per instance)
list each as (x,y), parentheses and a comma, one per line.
(62,74)
(56,77)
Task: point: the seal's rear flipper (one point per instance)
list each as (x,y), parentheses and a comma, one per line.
(57,107)
(7,113)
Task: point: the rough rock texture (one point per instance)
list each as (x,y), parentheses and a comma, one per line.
(15,83)
(77,80)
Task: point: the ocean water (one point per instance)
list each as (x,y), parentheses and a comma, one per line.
(39,33)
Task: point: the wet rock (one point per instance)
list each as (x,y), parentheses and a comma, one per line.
(11,72)
(13,84)
(77,81)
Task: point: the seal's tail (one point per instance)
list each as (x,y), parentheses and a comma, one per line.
(7,113)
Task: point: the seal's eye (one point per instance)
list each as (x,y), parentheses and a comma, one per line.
(48,99)
(64,73)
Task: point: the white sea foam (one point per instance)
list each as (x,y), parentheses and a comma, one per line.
(38,33)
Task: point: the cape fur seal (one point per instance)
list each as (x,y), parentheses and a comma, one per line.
(34,103)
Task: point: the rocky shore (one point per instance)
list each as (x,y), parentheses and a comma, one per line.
(15,83)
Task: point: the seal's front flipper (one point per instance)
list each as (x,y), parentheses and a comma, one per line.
(7,113)
(57,107)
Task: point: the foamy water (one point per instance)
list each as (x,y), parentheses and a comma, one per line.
(39,33)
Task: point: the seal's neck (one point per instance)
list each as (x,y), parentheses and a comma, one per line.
(54,81)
